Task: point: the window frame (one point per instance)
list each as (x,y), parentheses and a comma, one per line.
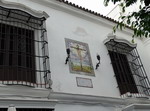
(27,20)
(139,75)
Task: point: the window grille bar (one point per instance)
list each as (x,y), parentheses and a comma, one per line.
(19,20)
(138,74)
(23,47)
(128,75)
(130,72)
(120,70)
(146,81)
(21,13)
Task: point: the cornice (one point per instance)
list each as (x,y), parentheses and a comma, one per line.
(67,98)
(136,106)
(55,98)
(18,6)
(27,103)
(17,91)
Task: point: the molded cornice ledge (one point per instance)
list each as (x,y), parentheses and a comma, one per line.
(27,103)
(67,98)
(137,106)
(13,5)
(23,92)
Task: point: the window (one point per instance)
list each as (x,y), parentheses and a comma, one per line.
(28,109)
(33,109)
(3,109)
(128,68)
(17,53)
(123,73)
(23,48)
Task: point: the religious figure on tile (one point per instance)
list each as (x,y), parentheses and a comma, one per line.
(80,59)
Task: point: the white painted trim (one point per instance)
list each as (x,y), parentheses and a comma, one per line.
(13,5)
(67,98)
(29,103)
(136,106)
(111,36)
(23,92)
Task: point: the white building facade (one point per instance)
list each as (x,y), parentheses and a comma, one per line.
(100,71)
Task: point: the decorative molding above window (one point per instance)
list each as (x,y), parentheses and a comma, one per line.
(113,37)
(21,7)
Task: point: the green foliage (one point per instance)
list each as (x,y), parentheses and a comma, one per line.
(138,21)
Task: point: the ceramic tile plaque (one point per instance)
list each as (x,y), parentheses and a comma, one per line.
(84,82)
(80,59)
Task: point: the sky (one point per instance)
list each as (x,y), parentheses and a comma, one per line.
(94,5)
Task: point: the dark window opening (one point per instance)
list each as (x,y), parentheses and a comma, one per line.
(34,109)
(1,58)
(123,73)
(16,53)
(3,109)
(128,68)
(24,57)
(28,109)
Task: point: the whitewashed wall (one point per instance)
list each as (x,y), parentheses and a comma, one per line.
(62,107)
(68,22)
(84,27)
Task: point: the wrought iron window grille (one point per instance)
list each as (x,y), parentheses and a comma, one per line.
(23,49)
(129,71)
(28,109)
